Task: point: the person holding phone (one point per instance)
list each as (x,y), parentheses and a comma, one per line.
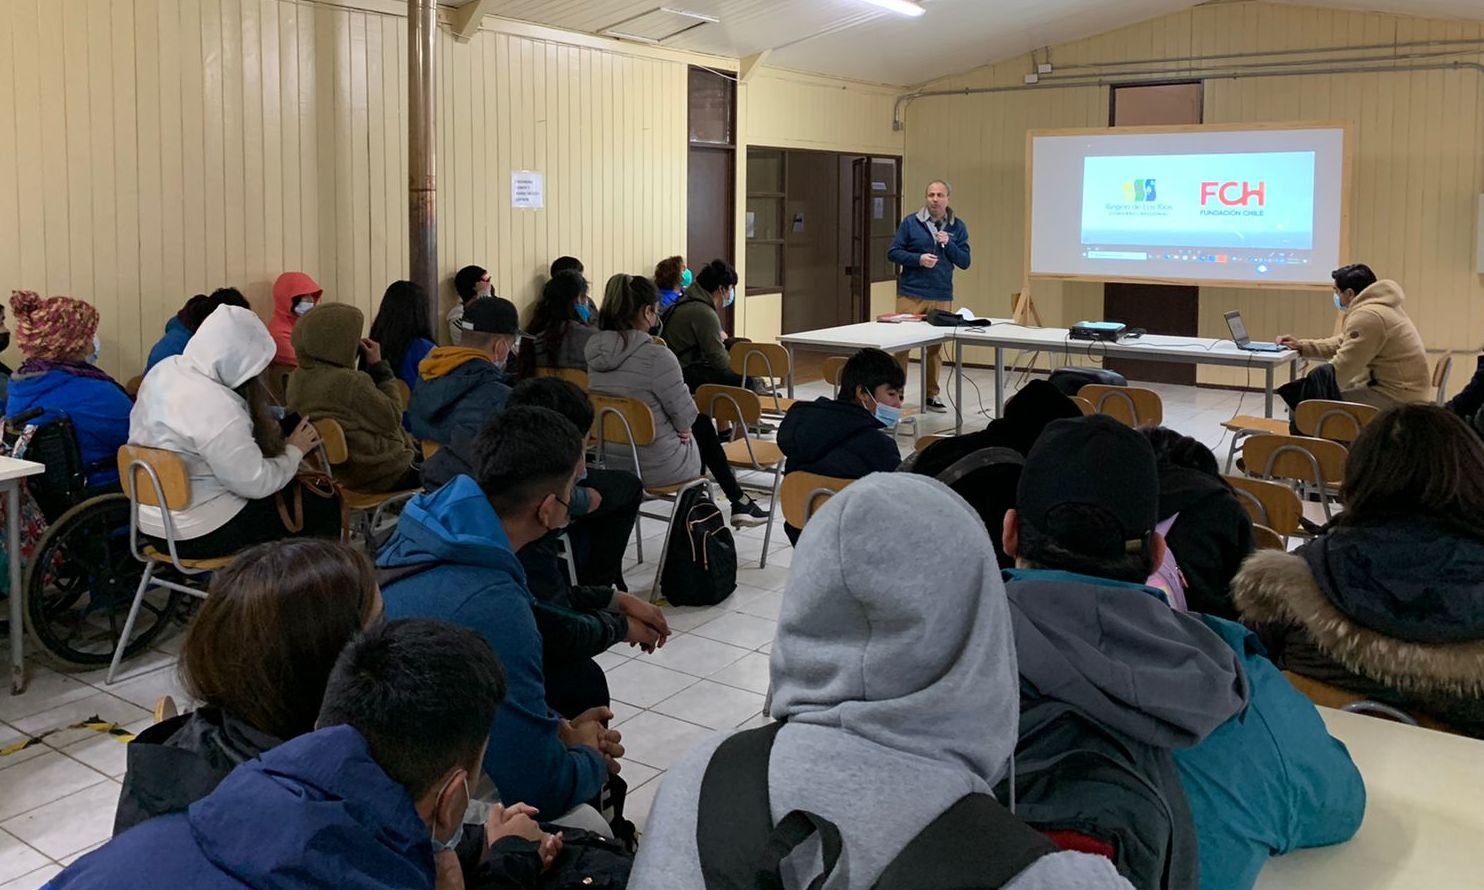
(928,246)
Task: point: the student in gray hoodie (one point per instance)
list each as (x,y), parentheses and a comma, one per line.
(897,683)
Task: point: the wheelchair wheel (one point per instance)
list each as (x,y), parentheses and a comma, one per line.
(81,583)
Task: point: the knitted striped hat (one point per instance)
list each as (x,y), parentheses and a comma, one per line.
(52,327)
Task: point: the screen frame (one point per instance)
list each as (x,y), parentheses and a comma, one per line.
(1348,156)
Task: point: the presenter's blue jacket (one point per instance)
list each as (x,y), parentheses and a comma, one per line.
(316,811)
(455,564)
(914,238)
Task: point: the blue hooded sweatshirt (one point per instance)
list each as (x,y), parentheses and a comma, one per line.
(315,812)
(1270,779)
(177,335)
(99,410)
(474,580)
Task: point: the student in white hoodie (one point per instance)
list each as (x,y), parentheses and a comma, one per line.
(899,694)
(211,406)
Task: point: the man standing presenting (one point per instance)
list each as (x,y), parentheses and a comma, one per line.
(929,243)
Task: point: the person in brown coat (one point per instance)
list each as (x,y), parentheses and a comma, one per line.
(1378,356)
(367,404)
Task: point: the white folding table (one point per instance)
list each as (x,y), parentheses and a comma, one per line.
(1423,818)
(1004,334)
(885,336)
(12,471)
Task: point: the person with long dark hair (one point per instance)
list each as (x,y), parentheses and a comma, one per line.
(1388,602)
(211,406)
(561,323)
(403,329)
(625,360)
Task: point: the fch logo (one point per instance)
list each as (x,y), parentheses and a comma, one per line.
(1139,191)
(1225,192)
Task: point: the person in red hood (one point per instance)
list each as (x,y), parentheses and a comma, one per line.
(294,293)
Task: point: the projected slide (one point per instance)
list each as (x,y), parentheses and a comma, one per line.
(1261,206)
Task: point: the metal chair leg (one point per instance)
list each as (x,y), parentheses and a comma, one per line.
(772,509)
(118,652)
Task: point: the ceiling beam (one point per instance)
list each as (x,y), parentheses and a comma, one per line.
(750,64)
(466,19)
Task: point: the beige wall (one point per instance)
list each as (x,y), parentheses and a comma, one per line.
(1419,162)
(787,109)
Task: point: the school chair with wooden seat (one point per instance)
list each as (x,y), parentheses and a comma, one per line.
(428,447)
(1440,373)
(1317,464)
(832,368)
(575,376)
(767,362)
(924,441)
(804,493)
(629,422)
(1320,418)
(1264,538)
(156,478)
(1271,505)
(132,387)
(1130,405)
(1084,406)
(365,508)
(742,409)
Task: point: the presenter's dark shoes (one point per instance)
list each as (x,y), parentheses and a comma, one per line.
(936,406)
(746,513)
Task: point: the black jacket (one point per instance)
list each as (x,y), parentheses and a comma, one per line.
(835,438)
(1393,611)
(1210,539)
(1471,398)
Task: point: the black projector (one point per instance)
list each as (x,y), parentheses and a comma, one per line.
(1106,331)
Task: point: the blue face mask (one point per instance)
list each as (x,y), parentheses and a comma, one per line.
(458,835)
(731,297)
(1338,305)
(584,312)
(685,279)
(887,414)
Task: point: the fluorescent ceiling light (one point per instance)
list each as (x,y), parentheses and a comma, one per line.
(905,7)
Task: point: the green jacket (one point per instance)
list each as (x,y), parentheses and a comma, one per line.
(367,404)
(693,331)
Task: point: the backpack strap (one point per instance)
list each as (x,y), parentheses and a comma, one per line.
(738,845)
(976,843)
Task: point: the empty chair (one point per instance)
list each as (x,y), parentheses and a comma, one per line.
(1272,505)
(767,362)
(1313,463)
(1337,421)
(1129,405)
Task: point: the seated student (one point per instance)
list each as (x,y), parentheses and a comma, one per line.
(692,328)
(672,276)
(211,406)
(453,558)
(1377,358)
(1260,773)
(374,798)
(294,294)
(56,334)
(1469,400)
(842,437)
(623,359)
(402,328)
(573,264)
(1388,602)
(178,329)
(279,610)
(469,284)
(561,324)
(464,386)
(1205,526)
(367,404)
(990,489)
(895,681)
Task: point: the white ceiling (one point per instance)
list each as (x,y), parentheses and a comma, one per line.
(853,38)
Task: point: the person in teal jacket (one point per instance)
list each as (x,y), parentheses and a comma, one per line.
(452,558)
(1270,779)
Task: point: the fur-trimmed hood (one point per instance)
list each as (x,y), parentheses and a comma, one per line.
(1278,588)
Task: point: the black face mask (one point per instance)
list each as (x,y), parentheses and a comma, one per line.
(4,341)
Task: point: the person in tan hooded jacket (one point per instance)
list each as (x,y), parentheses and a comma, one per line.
(367,404)
(1378,356)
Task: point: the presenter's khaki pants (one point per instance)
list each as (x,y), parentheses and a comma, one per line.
(935,352)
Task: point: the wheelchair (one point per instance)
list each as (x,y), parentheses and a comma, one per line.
(80,580)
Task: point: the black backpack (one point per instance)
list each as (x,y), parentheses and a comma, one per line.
(976,844)
(701,557)
(1073,774)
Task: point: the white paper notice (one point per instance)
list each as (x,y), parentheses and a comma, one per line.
(527,190)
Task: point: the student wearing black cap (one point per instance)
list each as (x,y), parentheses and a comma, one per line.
(463,386)
(1255,771)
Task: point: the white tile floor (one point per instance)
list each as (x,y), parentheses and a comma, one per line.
(57,799)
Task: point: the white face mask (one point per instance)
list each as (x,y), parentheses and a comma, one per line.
(302,307)
(92,358)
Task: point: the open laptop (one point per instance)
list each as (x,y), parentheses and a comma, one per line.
(1239,335)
